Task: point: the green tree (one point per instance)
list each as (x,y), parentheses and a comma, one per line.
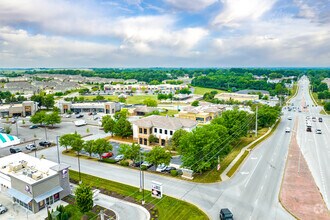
(121,114)
(108,124)
(84,198)
(150,102)
(39,99)
(327,106)
(175,140)
(101,146)
(71,140)
(131,152)
(52,118)
(48,101)
(158,155)
(153,139)
(195,103)
(123,128)
(267,115)
(122,100)
(38,118)
(201,148)
(89,147)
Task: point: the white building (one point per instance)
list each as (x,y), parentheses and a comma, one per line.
(163,127)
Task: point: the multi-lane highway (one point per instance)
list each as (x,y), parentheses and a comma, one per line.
(315,147)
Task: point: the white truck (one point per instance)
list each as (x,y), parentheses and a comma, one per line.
(79,123)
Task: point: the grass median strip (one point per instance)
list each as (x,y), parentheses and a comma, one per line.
(165,208)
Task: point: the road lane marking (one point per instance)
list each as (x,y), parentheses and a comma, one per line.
(245,173)
(254,158)
(248,180)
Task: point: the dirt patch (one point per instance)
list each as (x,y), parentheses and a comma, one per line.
(299,192)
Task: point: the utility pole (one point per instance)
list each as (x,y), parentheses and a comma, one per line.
(58,151)
(35,151)
(16,120)
(256,121)
(45,132)
(79,168)
(140,173)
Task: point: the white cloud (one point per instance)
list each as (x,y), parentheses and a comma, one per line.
(236,11)
(191,5)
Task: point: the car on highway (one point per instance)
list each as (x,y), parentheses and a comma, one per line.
(33,126)
(307,117)
(31,147)
(226,214)
(318,131)
(14,150)
(44,144)
(161,167)
(320,119)
(106,155)
(287,130)
(314,119)
(3,209)
(119,157)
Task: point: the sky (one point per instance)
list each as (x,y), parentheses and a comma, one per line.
(164,33)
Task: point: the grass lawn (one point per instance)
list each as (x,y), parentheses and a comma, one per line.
(167,207)
(202,90)
(169,112)
(237,164)
(75,214)
(214,175)
(136,99)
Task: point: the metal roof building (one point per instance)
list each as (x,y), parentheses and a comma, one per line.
(8,140)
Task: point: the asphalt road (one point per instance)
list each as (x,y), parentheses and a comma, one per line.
(315,147)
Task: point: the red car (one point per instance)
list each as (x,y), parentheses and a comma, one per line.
(107,155)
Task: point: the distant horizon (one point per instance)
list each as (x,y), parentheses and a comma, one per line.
(90,68)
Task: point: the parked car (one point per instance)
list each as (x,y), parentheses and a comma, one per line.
(45,143)
(2,130)
(318,131)
(287,130)
(137,164)
(15,150)
(3,209)
(161,167)
(320,119)
(225,214)
(289,118)
(31,147)
(147,164)
(77,113)
(79,116)
(119,157)
(68,116)
(33,126)
(96,118)
(106,155)
(168,169)
(314,119)
(90,113)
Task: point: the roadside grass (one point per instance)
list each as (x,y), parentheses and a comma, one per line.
(214,175)
(318,102)
(202,90)
(167,207)
(237,164)
(75,214)
(72,153)
(135,99)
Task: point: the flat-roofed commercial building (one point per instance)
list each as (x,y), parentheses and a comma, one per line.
(101,107)
(237,97)
(32,182)
(201,114)
(26,108)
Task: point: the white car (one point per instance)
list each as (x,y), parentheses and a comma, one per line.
(161,167)
(31,147)
(289,118)
(119,157)
(318,131)
(3,209)
(287,130)
(68,116)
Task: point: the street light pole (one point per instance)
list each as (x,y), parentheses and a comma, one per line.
(58,151)
(256,121)
(45,132)
(79,168)
(16,122)
(140,174)
(35,151)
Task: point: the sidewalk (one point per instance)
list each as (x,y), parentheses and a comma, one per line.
(224,173)
(299,193)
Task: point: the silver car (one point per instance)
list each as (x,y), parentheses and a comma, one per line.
(3,209)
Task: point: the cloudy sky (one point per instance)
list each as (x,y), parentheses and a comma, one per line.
(164,33)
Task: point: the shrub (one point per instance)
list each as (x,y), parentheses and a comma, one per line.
(174,172)
(144,167)
(124,163)
(109,160)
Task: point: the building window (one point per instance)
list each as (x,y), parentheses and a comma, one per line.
(155,130)
(140,130)
(56,197)
(141,140)
(41,204)
(145,141)
(160,131)
(165,131)
(171,132)
(145,131)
